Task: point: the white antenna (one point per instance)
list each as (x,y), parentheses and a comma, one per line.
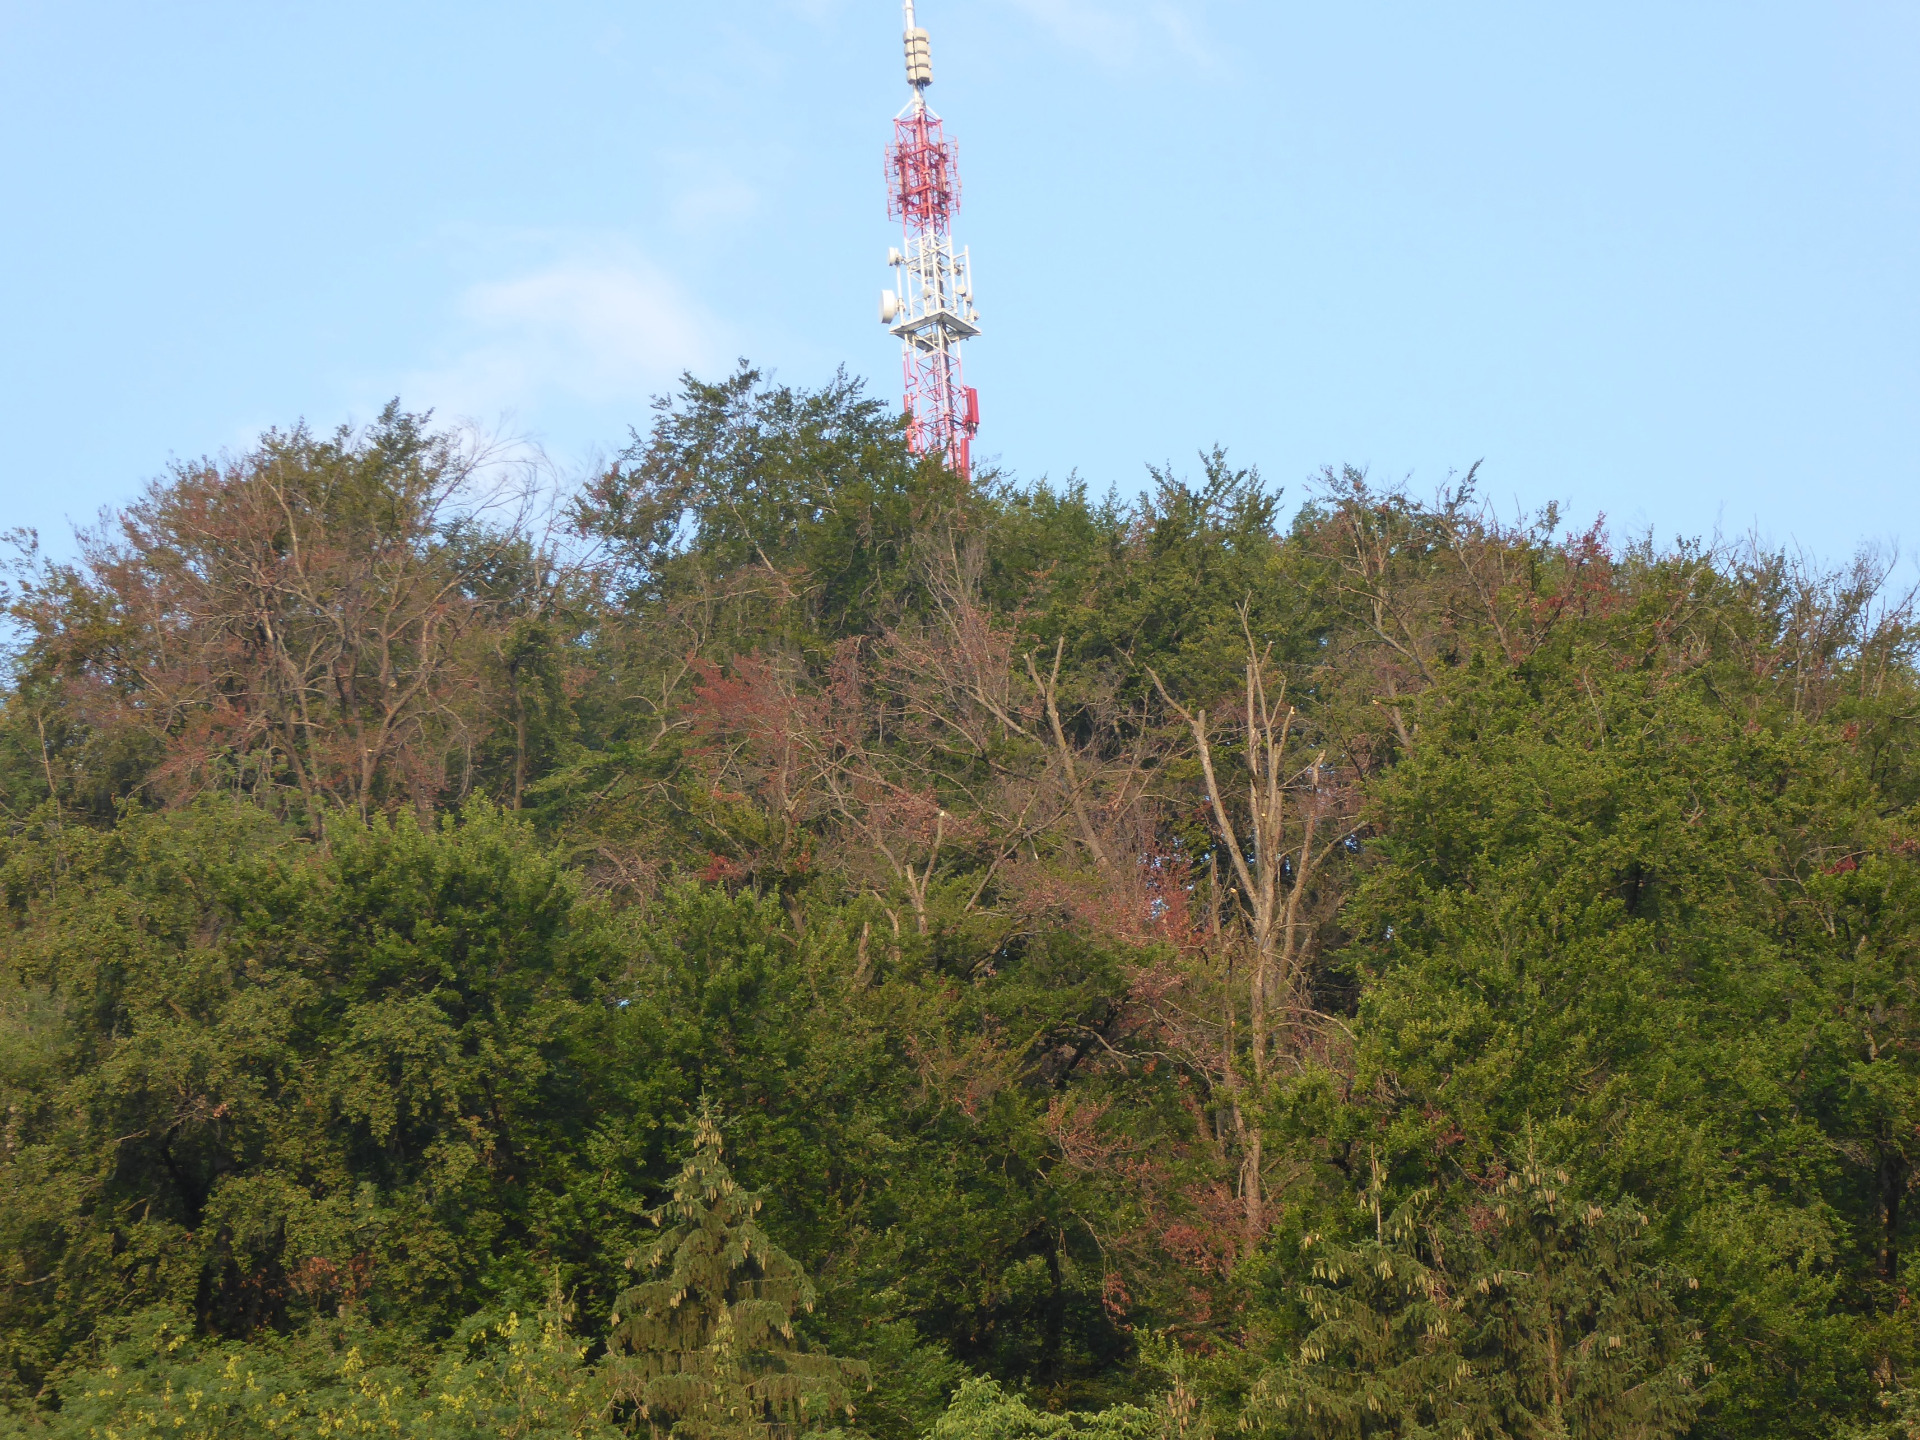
(919,59)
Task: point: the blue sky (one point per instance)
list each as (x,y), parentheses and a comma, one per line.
(1653,259)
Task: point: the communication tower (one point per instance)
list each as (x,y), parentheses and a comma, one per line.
(931,305)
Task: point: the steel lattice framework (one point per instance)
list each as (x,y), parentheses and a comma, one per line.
(931,306)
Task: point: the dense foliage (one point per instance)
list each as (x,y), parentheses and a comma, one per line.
(1153,968)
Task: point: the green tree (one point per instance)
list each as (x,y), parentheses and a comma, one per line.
(982,1410)
(262,1081)
(848,797)
(707,1350)
(1576,1329)
(498,1378)
(1651,912)
(1521,1312)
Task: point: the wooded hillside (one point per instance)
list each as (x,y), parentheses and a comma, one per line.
(787,940)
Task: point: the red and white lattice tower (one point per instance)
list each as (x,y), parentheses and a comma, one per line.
(931,306)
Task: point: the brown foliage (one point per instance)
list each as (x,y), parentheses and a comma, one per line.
(289,623)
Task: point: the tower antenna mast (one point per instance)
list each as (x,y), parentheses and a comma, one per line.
(931,305)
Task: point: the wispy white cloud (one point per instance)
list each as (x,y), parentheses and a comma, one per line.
(596,328)
(723,201)
(1119,34)
(816,12)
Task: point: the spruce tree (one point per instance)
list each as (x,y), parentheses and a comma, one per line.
(704,1348)
(1521,1313)
(1576,1330)
(1381,1352)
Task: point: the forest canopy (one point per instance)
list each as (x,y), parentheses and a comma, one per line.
(778,939)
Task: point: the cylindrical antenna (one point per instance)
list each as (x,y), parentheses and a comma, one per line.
(919,56)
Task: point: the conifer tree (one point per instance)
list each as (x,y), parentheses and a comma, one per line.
(1381,1354)
(1525,1315)
(1576,1330)
(705,1347)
